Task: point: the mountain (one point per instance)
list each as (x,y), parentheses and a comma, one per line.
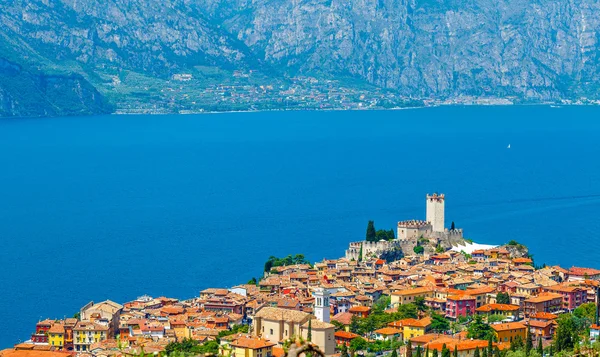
(175,55)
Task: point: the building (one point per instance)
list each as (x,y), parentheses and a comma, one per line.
(413,328)
(579,274)
(409,295)
(344,337)
(504,310)
(544,302)
(460,305)
(594,332)
(86,333)
(321,306)
(509,331)
(360,311)
(252,347)
(464,348)
(388,334)
(56,336)
(276,324)
(413,229)
(435,212)
(40,336)
(104,313)
(573,296)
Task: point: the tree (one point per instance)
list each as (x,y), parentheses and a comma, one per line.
(394,353)
(309,334)
(455,354)
(77,315)
(408,349)
(358,344)
(529,341)
(452,226)
(540,347)
(478,329)
(344,350)
(418,354)
(566,333)
(445,351)
(502,298)
(434,353)
(517,344)
(371,233)
(477,354)
(427,352)
(338,325)
(252,281)
(407,311)
(439,323)
(490,348)
(418,249)
(420,303)
(360,253)
(586,311)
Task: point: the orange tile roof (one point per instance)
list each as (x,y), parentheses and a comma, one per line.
(544,297)
(345,334)
(415,291)
(387,331)
(460,297)
(32,353)
(508,326)
(278,352)
(252,343)
(543,316)
(359,309)
(497,307)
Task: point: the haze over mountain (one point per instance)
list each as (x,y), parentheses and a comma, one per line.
(88,56)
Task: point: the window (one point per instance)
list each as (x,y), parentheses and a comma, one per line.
(271,331)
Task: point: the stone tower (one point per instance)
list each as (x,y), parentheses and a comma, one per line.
(435,211)
(321,304)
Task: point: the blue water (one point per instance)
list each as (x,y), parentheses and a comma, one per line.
(119,206)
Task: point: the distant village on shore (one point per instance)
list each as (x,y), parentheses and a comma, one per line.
(425,291)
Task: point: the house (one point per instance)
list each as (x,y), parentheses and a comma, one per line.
(507,332)
(464,348)
(460,305)
(345,318)
(594,332)
(573,296)
(388,334)
(56,336)
(542,329)
(504,310)
(544,302)
(252,347)
(344,337)
(360,311)
(579,274)
(40,336)
(409,295)
(85,333)
(414,328)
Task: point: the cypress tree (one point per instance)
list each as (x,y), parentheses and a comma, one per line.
(394,353)
(418,354)
(344,350)
(434,353)
(455,351)
(360,254)
(477,353)
(427,352)
(452,226)
(445,351)
(309,334)
(490,350)
(409,349)
(540,347)
(529,342)
(371,233)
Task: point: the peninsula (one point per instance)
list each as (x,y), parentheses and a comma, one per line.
(421,291)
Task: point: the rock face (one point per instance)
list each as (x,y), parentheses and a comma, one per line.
(524,50)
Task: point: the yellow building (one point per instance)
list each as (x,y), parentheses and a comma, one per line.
(85,333)
(56,336)
(503,310)
(409,295)
(251,347)
(412,327)
(509,331)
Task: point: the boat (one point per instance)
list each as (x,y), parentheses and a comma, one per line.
(508,147)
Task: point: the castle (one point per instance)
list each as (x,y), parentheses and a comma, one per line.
(410,232)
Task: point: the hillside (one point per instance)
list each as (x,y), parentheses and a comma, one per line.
(262,54)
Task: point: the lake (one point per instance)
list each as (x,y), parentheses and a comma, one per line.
(115,207)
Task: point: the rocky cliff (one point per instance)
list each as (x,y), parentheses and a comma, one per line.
(524,50)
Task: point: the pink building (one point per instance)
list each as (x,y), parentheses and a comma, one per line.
(460,305)
(573,296)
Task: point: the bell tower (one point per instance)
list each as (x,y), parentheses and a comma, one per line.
(435,211)
(321,304)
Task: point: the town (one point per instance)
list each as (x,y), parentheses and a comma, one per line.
(422,291)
